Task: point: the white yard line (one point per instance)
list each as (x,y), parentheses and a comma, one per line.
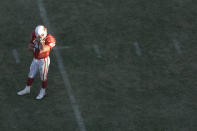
(177,47)
(138,50)
(15,54)
(96,49)
(63,72)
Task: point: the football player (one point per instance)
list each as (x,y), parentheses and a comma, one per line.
(41,44)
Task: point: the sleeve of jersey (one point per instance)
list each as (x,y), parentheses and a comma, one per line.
(51,41)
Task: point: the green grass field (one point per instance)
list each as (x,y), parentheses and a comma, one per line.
(120,91)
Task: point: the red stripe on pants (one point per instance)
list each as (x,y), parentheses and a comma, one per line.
(44,69)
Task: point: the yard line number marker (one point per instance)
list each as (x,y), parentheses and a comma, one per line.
(96,49)
(63,72)
(15,54)
(138,50)
(177,46)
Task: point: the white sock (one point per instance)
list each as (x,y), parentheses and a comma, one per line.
(28,87)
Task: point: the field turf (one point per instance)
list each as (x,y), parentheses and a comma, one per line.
(115,88)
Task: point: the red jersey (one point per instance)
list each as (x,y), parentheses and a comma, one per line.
(49,40)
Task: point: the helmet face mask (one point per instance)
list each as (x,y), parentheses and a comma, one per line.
(40,32)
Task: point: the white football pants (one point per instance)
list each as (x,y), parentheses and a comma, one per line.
(41,65)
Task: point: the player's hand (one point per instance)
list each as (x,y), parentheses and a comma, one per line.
(42,42)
